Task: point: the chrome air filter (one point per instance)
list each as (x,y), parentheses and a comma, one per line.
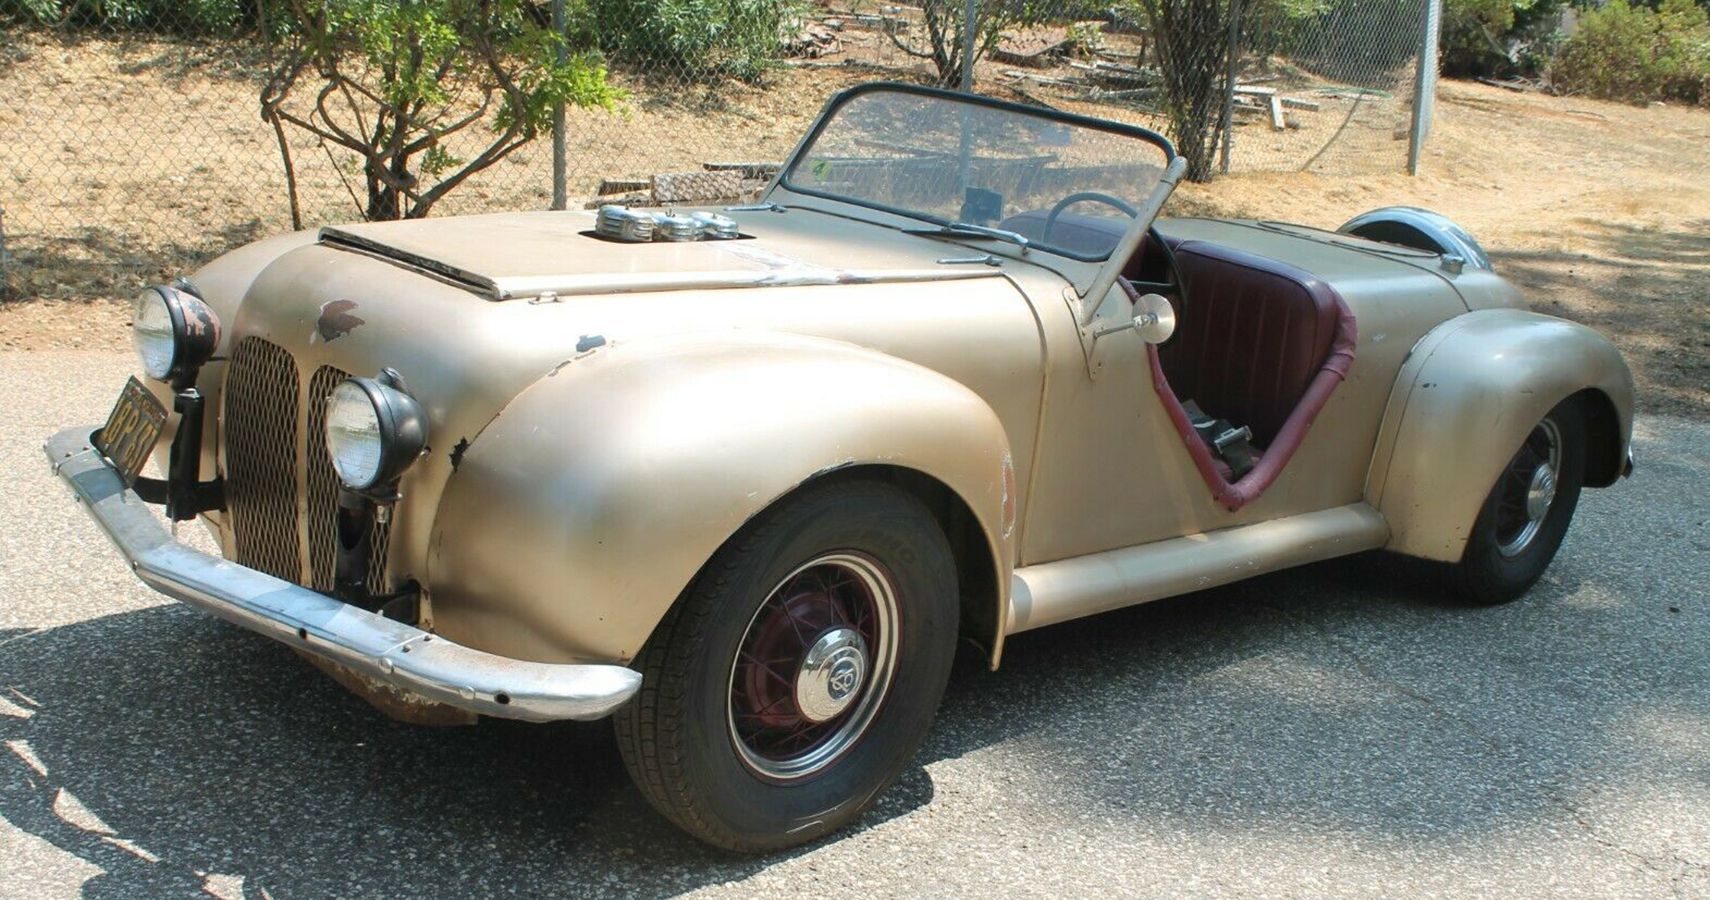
(671,227)
(621,224)
(716,227)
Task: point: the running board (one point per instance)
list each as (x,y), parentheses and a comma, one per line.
(1054,592)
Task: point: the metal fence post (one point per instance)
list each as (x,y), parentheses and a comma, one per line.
(1228,123)
(970,42)
(560,159)
(1424,85)
(5,269)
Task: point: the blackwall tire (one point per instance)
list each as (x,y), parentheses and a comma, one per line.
(851,589)
(1511,544)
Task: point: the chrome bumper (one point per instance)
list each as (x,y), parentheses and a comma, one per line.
(392,652)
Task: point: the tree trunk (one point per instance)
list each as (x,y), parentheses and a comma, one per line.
(1193,48)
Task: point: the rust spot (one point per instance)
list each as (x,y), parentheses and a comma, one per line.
(200,321)
(336,321)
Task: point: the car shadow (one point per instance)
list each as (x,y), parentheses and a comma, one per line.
(167,749)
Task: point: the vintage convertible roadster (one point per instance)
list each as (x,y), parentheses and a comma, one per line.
(742,479)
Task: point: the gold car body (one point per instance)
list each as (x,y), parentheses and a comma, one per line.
(603,416)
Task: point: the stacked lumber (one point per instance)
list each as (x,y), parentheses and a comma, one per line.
(715,182)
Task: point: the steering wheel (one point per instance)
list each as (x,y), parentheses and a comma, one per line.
(1171,287)
(1078,197)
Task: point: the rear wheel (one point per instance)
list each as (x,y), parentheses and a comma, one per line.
(1527,513)
(795,679)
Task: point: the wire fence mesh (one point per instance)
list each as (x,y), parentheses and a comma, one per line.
(136,142)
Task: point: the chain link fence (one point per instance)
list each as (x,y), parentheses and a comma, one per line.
(136,144)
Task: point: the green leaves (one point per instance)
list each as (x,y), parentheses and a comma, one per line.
(393,80)
(697,38)
(1625,52)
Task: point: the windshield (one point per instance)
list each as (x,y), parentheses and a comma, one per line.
(1064,183)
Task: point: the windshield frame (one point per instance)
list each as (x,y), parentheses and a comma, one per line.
(842,98)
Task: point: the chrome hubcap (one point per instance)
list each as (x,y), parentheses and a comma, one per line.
(814,666)
(1542,492)
(831,674)
(1527,490)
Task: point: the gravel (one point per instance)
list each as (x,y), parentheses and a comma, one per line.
(1339,730)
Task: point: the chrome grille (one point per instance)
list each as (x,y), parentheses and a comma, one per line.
(323,495)
(261,442)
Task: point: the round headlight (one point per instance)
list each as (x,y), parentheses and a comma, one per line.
(152,332)
(374,431)
(174,332)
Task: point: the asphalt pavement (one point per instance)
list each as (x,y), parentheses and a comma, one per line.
(1339,730)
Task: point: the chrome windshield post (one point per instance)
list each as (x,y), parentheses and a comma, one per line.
(1093,297)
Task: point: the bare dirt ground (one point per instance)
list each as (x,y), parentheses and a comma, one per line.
(1601,212)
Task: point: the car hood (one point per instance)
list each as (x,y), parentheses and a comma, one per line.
(524,255)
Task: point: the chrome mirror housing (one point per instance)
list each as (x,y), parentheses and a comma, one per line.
(1154,320)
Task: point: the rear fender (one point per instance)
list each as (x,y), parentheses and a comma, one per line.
(1466,399)
(587,506)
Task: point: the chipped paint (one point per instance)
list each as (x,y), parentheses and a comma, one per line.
(336,320)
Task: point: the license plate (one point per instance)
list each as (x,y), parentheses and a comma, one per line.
(132,430)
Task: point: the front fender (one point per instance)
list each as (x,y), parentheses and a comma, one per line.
(577,517)
(1463,404)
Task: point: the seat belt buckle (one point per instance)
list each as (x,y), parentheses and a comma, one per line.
(1231,437)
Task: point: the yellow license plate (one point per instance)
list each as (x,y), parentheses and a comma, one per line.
(132,430)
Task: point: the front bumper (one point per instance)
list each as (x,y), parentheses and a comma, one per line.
(401,655)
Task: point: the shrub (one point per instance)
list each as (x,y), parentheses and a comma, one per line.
(1624,52)
(696,38)
(1500,37)
(393,81)
(192,17)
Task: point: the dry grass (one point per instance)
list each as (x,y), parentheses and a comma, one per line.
(1600,211)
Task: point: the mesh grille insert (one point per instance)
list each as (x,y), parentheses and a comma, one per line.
(261,457)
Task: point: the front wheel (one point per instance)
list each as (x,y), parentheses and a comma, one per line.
(796,677)
(1527,513)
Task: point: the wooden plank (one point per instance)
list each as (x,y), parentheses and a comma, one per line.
(609,186)
(1247,90)
(761,170)
(696,187)
(1278,123)
(1034,46)
(634,198)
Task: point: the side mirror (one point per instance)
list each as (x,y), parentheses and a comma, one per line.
(1154,319)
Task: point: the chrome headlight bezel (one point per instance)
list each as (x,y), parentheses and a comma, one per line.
(382,413)
(174,333)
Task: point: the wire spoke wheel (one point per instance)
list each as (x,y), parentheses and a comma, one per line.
(1527,490)
(796,677)
(814,666)
(1527,512)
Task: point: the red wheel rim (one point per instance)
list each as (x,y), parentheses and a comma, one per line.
(813,666)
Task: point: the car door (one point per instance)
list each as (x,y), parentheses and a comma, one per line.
(1113,470)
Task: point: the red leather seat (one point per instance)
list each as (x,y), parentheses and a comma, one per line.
(1251,336)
